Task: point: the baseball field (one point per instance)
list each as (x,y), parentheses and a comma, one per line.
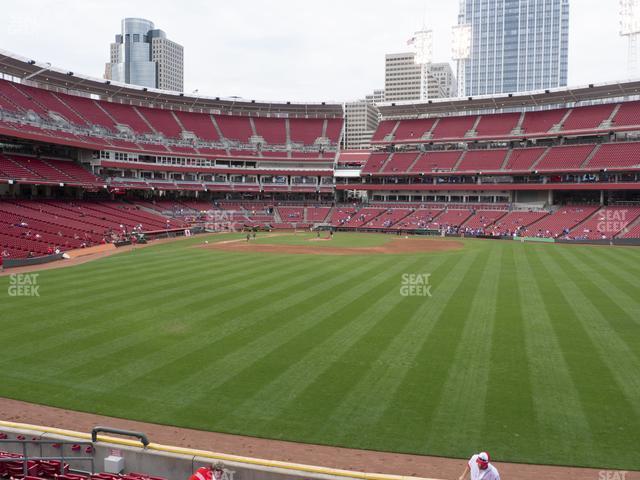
(529,351)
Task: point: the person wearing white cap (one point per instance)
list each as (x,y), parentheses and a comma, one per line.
(480,468)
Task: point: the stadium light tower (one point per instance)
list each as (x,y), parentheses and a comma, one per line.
(461,46)
(630,28)
(460,52)
(422,42)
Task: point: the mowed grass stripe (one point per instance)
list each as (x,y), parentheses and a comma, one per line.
(319,384)
(85,370)
(150,357)
(619,308)
(612,337)
(287,370)
(124,332)
(625,259)
(619,283)
(622,254)
(411,409)
(606,407)
(116,318)
(104,292)
(246,351)
(510,422)
(560,415)
(105,322)
(153,259)
(338,343)
(366,402)
(65,280)
(55,320)
(459,416)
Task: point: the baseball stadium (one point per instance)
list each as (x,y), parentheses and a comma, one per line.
(190,280)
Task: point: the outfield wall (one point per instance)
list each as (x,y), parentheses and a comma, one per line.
(26,262)
(172,463)
(628,242)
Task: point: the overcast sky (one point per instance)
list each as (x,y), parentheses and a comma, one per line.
(298,50)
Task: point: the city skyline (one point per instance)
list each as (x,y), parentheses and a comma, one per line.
(283,52)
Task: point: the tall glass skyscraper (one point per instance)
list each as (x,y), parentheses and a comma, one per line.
(516,45)
(143,55)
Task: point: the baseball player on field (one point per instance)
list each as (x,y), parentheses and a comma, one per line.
(480,468)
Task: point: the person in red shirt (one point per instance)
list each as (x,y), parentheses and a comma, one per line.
(203,473)
(214,472)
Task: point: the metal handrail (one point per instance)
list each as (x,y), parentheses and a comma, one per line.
(94,434)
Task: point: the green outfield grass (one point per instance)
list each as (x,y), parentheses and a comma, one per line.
(529,351)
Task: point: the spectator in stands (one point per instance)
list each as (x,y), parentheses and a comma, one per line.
(480,468)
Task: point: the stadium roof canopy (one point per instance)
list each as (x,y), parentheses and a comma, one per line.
(603,92)
(52,78)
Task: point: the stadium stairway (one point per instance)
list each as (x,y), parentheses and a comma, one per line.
(630,231)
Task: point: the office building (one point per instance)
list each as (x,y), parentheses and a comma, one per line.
(143,55)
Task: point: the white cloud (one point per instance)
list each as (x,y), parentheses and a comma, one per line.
(283,49)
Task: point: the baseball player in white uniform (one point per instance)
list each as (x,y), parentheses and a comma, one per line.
(480,468)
